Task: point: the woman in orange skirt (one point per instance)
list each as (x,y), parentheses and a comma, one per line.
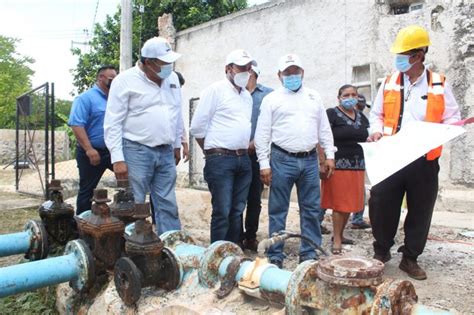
(343,192)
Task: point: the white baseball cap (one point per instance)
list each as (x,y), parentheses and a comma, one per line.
(239,57)
(159,48)
(256,70)
(288,61)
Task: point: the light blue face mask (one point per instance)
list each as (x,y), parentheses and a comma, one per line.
(349,103)
(292,82)
(165,71)
(402,63)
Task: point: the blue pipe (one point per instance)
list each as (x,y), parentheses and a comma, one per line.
(30,276)
(275,280)
(15,243)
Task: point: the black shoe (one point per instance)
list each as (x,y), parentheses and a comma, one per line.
(360,226)
(251,244)
(383,257)
(411,267)
(324,230)
(277,262)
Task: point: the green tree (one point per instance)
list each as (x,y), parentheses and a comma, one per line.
(15,79)
(105,45)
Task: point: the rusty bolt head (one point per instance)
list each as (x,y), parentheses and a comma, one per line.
(122,183)
(100,196)
(55,184)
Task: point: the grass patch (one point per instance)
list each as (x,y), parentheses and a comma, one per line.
(41,301)
(14,220)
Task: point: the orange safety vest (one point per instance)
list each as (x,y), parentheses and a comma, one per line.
(393,106)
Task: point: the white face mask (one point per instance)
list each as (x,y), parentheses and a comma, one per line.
(241,79)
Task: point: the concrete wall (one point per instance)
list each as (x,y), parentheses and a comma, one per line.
(332,37)
(8,147)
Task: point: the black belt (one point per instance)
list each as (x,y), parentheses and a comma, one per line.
(295,154)
(237,152)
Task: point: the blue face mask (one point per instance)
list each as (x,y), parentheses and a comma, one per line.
(402,63)
(349,103)
(292,82)
(165,71)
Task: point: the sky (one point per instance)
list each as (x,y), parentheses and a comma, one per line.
(47,29)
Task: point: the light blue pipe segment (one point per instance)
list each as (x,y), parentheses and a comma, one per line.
(189,250)
(85,214)
(129,228)
(275,280)
(223,266)
(33,275)
(242,270)
(15,243)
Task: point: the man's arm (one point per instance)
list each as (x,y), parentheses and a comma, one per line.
(451,108)
(115,114)
(326,141)
(376,117)
(203,115)
(262,139)
(78,118)
(83,140)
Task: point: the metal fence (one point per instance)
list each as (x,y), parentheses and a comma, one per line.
(35,142)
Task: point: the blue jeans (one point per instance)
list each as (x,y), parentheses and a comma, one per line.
(228,178)
(153,170)
(254,203)
(288,170)
(358,217)
(89,177)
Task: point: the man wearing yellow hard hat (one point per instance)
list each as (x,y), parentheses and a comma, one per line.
(412,93)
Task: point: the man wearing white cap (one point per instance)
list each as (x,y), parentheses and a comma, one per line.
(221,126)
(254,198)
(292,122)
(143,128)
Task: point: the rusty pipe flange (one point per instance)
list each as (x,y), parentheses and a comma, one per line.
(299,289)
(38,240)
(394,297)
(128,280)
(172,238)
(172,269)
(212,258)
(351,271)
(85,262)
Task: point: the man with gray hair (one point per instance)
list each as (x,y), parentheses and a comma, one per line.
(143,129)
(221,126)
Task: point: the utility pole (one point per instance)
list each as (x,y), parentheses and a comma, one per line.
(126,35)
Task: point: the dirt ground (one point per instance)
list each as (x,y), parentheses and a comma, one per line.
(448,258)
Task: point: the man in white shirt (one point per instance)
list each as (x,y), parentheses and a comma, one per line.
(143,128)
(292,122)
(413,93)
(221,126)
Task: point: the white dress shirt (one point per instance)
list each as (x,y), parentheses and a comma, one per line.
(223,117)
(414,108)
(139,110)
(295,122)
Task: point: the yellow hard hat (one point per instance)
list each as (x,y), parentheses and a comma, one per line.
(410,37)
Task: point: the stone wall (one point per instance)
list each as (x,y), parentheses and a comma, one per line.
(8,147)
(341,42)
